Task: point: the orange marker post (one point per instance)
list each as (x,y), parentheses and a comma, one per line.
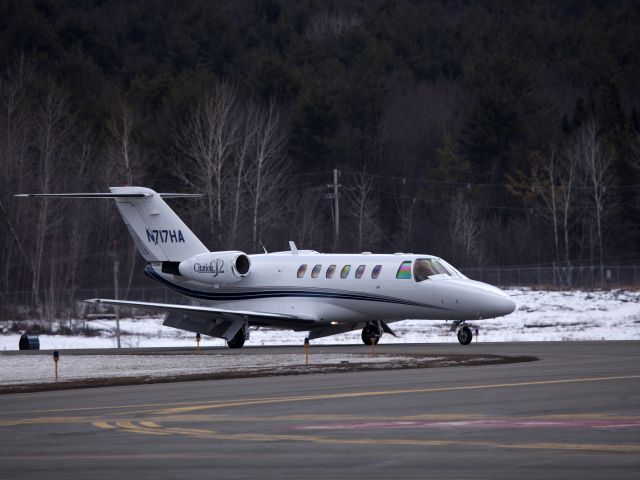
(373,347)
(56,357)
(198,342)
(306,352)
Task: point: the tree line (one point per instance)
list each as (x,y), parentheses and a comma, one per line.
(484,132)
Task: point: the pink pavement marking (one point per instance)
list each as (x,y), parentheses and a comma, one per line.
(484,423)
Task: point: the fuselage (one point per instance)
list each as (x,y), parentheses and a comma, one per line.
(348,288)
(324,294)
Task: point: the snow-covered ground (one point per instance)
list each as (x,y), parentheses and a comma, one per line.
(32,369)
(540,316)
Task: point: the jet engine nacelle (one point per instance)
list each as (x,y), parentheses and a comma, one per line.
(216,267)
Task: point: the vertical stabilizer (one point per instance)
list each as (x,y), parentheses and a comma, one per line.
(158,232)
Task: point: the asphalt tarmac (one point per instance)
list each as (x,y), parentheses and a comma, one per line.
(575,413)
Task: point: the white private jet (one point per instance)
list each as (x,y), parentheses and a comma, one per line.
(300,290)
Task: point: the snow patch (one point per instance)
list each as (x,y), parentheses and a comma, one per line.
(540,316)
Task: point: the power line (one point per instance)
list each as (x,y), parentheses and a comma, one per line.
(466,185)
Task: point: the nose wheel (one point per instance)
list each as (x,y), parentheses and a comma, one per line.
(464,335)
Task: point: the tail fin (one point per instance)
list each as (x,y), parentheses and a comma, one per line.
(158,232)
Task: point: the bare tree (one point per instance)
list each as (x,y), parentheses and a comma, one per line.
(15,110)
(465,229)
(124,153)
(268,167)
(406,208)
(565,197)
(239,174)
(594,159)
(53,128)
(125,165)
(549,194)
(82,172)
(207,140)
(307,217)
(555,187)
(363,209)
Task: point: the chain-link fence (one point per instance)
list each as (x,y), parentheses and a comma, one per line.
(69,303)
(592,276)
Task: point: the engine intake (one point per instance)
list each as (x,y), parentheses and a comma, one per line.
(216,267)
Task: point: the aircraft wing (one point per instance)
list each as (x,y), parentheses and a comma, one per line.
(211,320)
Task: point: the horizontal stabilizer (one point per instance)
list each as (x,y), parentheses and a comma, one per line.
(85,195)
(109,195)
(181,195)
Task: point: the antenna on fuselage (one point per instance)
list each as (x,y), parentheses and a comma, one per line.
(263,247)
(292,246)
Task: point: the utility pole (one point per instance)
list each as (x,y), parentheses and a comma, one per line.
(336,206)
(116,268)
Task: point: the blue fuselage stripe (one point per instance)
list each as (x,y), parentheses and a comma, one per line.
(310,293)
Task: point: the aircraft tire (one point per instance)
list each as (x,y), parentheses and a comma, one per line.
(367,336)
(465,336)
(237,341)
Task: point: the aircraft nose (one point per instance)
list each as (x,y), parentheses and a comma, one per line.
(496,303)
(504,304)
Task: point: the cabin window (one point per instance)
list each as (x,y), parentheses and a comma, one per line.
(404,272)
(330,271)
(302,270)
(360,271)
(345,271)
(376,271)
(426,267)
(316,271)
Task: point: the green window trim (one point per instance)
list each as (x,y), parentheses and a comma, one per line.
(344,273)
(404,271)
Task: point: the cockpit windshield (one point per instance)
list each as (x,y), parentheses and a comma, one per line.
(454,271)
(424,268)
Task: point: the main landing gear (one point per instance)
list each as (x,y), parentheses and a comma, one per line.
(464,333)
(237,341)
(371,333)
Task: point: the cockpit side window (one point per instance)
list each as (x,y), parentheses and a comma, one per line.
(426,267)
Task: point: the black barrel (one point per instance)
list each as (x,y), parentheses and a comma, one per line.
(29,342)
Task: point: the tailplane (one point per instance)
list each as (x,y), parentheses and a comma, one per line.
(158,232)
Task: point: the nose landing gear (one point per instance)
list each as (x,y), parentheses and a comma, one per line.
(465,336)
(464,333)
